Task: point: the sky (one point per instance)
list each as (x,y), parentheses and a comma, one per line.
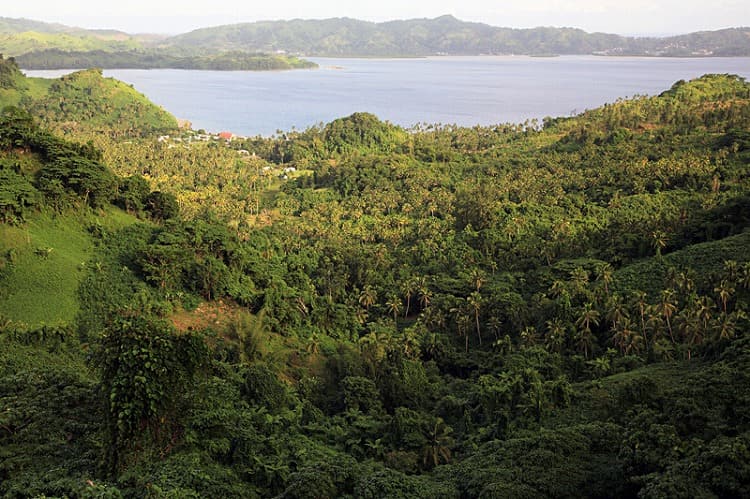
(627,17)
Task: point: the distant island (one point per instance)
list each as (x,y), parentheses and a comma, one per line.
(277,45)
(161,59)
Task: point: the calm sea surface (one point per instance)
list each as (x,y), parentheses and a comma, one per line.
(460,90)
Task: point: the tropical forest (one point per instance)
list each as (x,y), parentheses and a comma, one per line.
(549,309)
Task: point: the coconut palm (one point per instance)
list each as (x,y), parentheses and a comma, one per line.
(579,279)
(725,291)
(589,316)
(496,325)
(667,307)
(659,240)
(605,274)
(475,304)
(476,278)
(394,306)
(368,297)
(407,289)
(439,441)
(641,304)
(556,335)
(425,295)
(726,326)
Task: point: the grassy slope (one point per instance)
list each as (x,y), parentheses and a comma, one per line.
(42,289)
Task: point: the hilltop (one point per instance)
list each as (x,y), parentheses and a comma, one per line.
(83,102)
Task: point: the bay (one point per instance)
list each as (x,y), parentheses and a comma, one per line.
(466,91)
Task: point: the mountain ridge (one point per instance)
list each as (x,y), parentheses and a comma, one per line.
(448,35)
(349,37)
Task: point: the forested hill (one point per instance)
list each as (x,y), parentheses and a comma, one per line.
(356,310)
(20,36)
(447,35)
(83,102)
(38,45)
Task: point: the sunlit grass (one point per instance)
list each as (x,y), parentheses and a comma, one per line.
(45,260)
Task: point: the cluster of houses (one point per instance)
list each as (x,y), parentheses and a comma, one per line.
(191,136)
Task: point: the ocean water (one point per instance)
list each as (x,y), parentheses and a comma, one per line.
(449,90)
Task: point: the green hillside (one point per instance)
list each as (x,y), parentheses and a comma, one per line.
(44,263)
(446,35)
(15,44)
(37,45)
(20,36)
(83,102)
(55,198)
(555,310)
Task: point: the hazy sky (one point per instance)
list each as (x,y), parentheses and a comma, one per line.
(175,16)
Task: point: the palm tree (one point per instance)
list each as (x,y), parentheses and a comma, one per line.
(690,329)
(605,275)
(425,295)
(589,316)
(556,333)
(495,325)
(639,299)
(726,326)
(725,291)
(623,335)
(438,445)
(432,345)
(529,337)
(462,323)
(475,303)
(686,284)
(585,341)
(476,278)
(616,310)
(601,366)
(433,318)
(667,308)
(394,306)
(368,297)
(659,241)
(407,288)
(559,291)
(704,310)
(579,278)
(375,345)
